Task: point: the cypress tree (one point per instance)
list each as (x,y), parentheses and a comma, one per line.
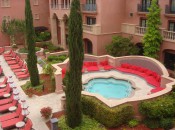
(30,38)
(152,38)
(76,56)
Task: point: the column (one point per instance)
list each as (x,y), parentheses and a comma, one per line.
(64,4)
(63,37)
(54,31)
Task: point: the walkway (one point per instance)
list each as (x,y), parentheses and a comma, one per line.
(36,102)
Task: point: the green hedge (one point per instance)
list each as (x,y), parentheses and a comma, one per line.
(56,59)
(162,107)
(110,117)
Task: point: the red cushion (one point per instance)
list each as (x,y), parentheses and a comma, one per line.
(148,72)
(63,70)
(106,62)
(94,63)
(157,89)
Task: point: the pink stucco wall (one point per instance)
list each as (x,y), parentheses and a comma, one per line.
(16,11)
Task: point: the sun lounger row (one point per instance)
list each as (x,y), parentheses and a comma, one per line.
(17,65)
(9,119)
(2,49)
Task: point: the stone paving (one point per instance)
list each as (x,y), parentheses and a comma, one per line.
(36,102)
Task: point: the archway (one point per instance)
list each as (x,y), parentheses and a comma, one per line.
(169,59)
(56,33)
(139,45)
(88,47)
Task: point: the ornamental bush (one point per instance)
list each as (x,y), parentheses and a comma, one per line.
(133,123)
(110,117)
(162,107)
(46,112)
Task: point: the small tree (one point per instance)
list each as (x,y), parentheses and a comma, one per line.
(30,38)
(13,28)
(152,38)
(76,55)
(121,47)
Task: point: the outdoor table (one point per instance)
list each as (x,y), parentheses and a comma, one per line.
(2,86)
(20,124)
(13,108)
(6,95)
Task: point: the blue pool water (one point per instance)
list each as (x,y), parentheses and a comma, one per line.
(109,88)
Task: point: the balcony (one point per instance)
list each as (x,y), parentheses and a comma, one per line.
(60,6)
(89,8)
(169,11)
(93,29)
(168,35)
(140,31)
(142,9)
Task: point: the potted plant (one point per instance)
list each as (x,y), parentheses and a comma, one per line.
(29,92)
(46,112)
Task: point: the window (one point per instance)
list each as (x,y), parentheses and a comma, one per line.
(5,3)
(35,2)
(172,8)
(36,16)
(169,60)
(171,26)
(90,1)
(90,20)
(143,22)
(146,4)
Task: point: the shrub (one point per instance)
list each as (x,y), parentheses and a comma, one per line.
(24,50)
(56,59)
(152,123)
(167,123)
(121,46)
(87,124)
(43,36)
(47,69)
(46,112)
(133,123)
(162,107)
(110,117)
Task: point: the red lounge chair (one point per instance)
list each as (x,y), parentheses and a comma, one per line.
(28,125)
(8,53)
(6,92)
(105,65)
(1,71)
(15,61)
(4,81)
(18,66)
(93,68)
(7,100)
(11,115)
(25,76)
(5,89)
(21,69)
(2,49)
(22,73)
(10,57)
(7,106)
(11,123)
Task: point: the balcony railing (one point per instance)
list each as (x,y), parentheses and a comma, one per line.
(140,30)
(137,30)
(142,8)
(65,6)
(94,29)
(168,35)
(54,6)
(169,10)
(89,7)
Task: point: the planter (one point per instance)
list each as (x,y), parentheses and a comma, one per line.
(47,119)
(24,55)
(63,102)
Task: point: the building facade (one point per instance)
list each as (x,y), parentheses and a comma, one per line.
(101,21)
(15,9)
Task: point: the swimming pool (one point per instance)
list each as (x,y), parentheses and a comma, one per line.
(109,88)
